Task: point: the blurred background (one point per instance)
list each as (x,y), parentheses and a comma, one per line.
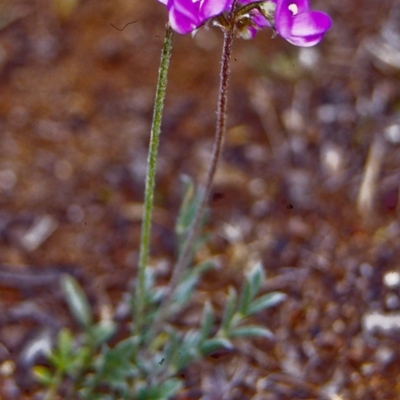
(308,185)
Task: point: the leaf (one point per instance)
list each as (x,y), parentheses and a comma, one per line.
(81,358)
(187,209)
(65,343)
(171,387)
(43,375)
(188,351)
(101,333)
(149,278)
(214,344)
(256,279)
(266,301)
(191,340)
(77,301)
(185,288)
(164,391)
(155,295)
(187,213)
(251,331)
(159,341)
(207,321)
(229,311)
(116,364)
(172,345)
(245,297)
(63,355)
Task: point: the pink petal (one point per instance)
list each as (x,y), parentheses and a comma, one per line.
(183,15)
(211,8)
(309,28)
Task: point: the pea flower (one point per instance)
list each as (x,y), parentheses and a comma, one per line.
(292,19)
(298,25)
(185,16)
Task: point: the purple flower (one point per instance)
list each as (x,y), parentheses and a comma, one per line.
(298,25)
(292,19)
(187,15)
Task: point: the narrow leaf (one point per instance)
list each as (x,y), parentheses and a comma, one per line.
(43,375)
(65,344)
(229,310)
(251,331)
(77,301)
(191,277)
(207,321)
(185,214)
(160,392)
(245,297)
(101,332)
(211,345)
(185,289)
(256,279)
(266,301)
(172,346)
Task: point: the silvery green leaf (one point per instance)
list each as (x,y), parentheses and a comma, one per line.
(251,331)
(187,209)
(65,342)
(149,277)
(63,354)
(172,345)
(266,301)
(191,339)
(207,321)
(185,288)
(162,391)
(214,344)
(116,363)
(65,345)
(81,357)
(189,349)
(101,332)
(171,387)
(229,311)
(187,212)
(157,295)
(185,357)
(245,297)
(256,278)
(77,301)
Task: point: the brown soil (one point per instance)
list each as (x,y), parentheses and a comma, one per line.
(305,125)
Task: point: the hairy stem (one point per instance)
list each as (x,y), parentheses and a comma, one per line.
(150,177)
(187,249)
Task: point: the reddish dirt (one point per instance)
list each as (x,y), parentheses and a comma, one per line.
(305,126)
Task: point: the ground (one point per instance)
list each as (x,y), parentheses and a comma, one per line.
(308,185)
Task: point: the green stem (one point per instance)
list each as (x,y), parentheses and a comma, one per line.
(150,178)
(186,253)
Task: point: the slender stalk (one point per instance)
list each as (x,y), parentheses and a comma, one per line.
(150,177)
(186,252)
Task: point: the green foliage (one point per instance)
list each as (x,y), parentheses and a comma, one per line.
(190,278)
(237,311)
(139,366)
(77,301)
(187,213)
